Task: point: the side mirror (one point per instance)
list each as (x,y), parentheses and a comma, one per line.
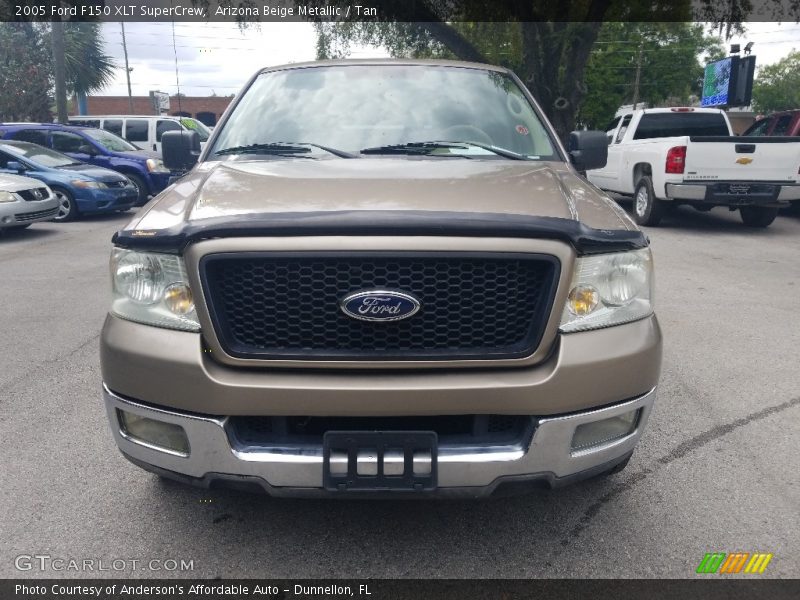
(588,149)
(87,149)
(180,149)
(14,165)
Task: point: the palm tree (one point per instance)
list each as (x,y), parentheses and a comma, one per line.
(88,67)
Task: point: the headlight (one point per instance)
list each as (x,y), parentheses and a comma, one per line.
(153,289)
(88,185)
(609,289)
(7,197)
(155,165)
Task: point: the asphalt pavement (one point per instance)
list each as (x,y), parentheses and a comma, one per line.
(716,471)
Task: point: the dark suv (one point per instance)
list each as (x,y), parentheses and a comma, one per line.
(96,147)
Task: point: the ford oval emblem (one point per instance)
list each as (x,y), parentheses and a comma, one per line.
(379,305)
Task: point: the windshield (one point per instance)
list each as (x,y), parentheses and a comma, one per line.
(109,141)
(195,125)
(39,154)
(356,107)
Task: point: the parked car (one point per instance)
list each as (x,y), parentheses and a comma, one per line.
(97,147)
(24,201)
(348,300)
(784,123)
(669,156)
(81,189)
(143,131)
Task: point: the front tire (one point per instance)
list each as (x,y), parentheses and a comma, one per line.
(758,216)
(647,209)
(67,208)
(141,188)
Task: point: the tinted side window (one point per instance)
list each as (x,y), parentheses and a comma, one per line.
(35,136)
(67,142)
(672,124)
(165,125)
(85,122)
(782,126)
(114,126)
(624,128)
(136,130)
(759,128)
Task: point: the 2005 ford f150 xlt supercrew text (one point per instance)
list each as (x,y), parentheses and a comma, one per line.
(381,278)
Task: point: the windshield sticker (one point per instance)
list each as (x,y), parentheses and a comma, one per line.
(522,130)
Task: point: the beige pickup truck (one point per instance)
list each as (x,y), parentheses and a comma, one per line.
(381,278)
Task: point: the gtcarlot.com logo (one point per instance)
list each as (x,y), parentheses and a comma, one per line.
(736,562)
(45,562)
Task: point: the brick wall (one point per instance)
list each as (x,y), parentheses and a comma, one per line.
(142,105)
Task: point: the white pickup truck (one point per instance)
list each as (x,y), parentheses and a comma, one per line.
(669,156)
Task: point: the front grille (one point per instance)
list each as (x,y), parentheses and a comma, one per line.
(450,429)
(32,216)
(274,306)
(31,195)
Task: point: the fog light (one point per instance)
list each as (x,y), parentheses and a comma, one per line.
(601,432)
(166,436)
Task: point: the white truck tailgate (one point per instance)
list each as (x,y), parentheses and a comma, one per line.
(742,159)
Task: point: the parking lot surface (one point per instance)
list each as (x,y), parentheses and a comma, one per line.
(716,471)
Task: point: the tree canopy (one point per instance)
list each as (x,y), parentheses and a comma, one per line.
(548,44)
(26,67)
(777,86)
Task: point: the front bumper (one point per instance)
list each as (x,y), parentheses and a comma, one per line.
(106,200)
(14,214)
(214,458)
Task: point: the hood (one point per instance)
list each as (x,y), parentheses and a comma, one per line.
(92,172)
(141,155)
(382,196)
(16,183)
(237,188)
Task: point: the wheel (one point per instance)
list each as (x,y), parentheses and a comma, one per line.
(647,209)
(67,208)
(758,216)
(141,188)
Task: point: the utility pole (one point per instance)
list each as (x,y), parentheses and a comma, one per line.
(60,70)
(638,74)
(127,70)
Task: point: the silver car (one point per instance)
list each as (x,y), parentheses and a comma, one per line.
(24,201)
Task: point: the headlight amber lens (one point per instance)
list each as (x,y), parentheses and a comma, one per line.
(582,300)
(178,298)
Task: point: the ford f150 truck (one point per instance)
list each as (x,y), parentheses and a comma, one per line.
(670,156)
(381,277)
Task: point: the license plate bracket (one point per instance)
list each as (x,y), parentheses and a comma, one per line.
(401,461)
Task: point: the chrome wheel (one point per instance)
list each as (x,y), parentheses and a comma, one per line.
(64,206)
(641,201)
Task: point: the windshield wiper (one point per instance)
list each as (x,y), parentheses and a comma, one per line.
(425,148)
(283,148)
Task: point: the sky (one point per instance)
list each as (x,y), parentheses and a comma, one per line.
(218,58)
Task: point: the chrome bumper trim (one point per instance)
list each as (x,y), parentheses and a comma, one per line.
(685,192)
(549,451)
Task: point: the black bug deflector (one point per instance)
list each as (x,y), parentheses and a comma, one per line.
(586,240)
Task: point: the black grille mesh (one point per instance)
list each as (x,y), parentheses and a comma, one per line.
(288,307)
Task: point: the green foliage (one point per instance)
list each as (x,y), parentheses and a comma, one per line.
(671,70)
(88,67)
(777,86)
(26,67)
(25,75)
